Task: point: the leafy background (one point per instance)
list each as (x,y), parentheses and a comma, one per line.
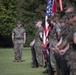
(27,11)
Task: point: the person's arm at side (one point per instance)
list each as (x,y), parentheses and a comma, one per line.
(24,38)
(32,43)
(13,37)
(74,38)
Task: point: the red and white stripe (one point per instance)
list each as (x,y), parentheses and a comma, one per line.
(46,30)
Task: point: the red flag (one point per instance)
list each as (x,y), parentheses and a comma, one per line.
(54,7)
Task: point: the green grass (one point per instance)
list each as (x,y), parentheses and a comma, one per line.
(8,67)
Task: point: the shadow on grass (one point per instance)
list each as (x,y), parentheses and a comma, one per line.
(19,61)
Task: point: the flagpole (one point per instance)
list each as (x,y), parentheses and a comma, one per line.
(61,7)
(45,30)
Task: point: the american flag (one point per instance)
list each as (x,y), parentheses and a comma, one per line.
(50,10)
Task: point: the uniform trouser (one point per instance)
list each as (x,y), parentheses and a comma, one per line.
(34,56)
(18,47)
(62,64)
(39,55)
(53,61)
(73,67)
(52,56)
(72,62)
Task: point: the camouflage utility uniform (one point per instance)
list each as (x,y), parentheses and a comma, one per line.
(72,52)
(18,34)
(53,41)
(62,63)
(38,46)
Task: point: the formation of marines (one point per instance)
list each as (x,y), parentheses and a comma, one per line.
(60,57)
(61,44)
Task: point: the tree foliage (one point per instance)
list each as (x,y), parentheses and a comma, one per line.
(7,16)
(7,20)
(27,11)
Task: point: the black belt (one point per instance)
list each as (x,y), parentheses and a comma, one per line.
(19,38)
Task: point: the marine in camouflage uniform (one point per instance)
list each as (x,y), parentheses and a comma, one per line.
(38,43)
(53,38)
(64,35)
(61,47)
(53,41)
(18,38)
(72,50)
(68,11)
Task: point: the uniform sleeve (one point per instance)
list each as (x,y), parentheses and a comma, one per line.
(24,31)
(74,31)
(74,34)
(41,32)
(13,32)
(58,28)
